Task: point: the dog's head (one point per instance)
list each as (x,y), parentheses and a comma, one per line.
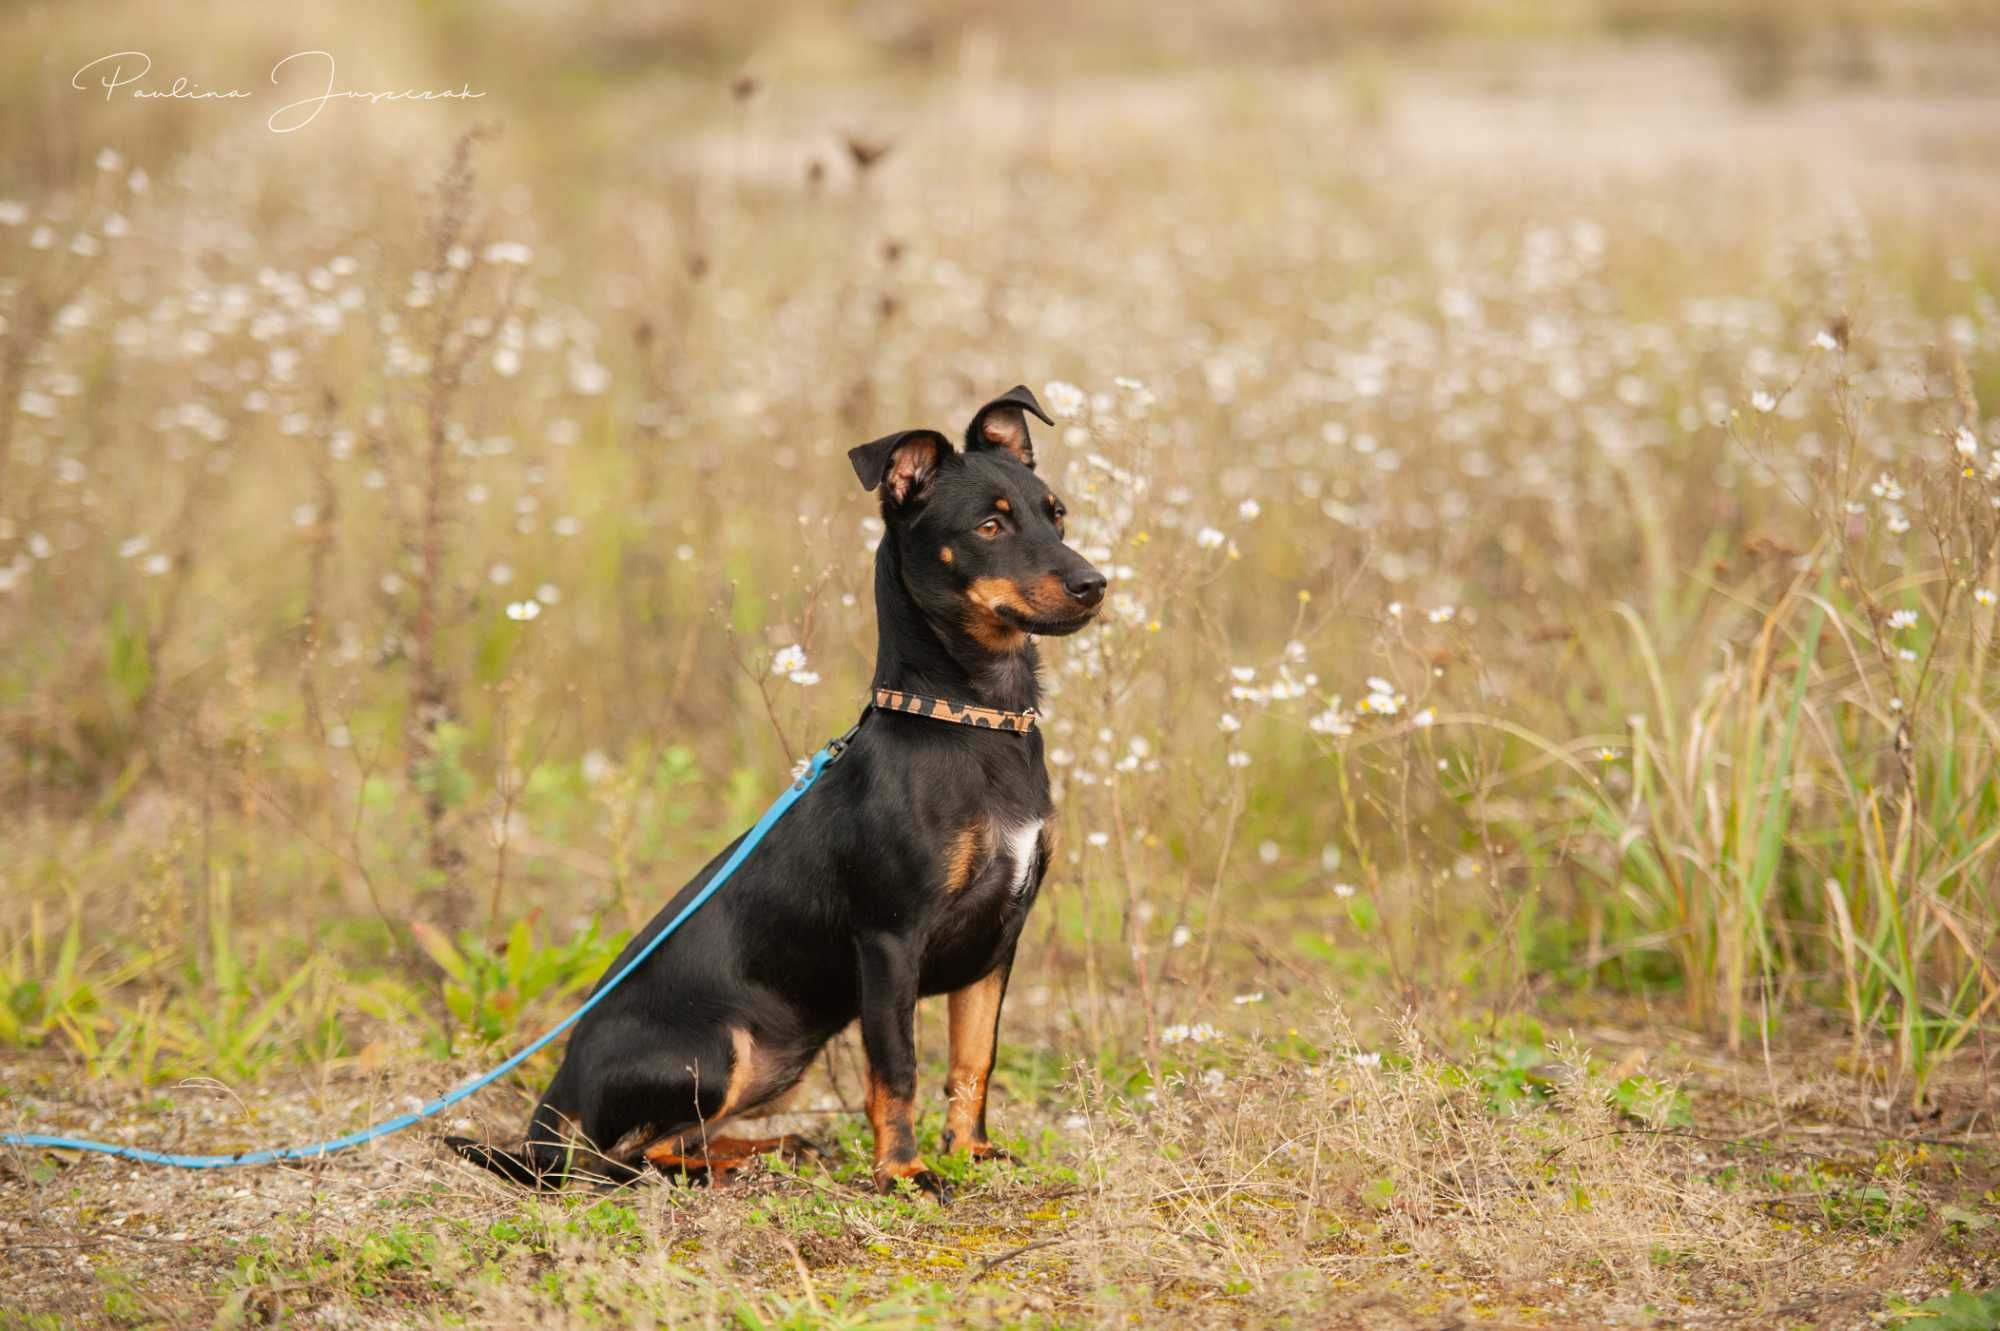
(980,537)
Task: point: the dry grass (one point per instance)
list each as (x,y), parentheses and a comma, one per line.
(1552,592)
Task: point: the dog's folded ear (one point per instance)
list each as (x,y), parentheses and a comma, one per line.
(1003,424)
(903,464)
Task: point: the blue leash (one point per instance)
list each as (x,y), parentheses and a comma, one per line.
(820,762)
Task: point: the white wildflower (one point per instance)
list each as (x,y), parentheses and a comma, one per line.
(788,659)
(1064,399)
(524,611)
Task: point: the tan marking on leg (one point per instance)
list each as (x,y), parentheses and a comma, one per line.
(975,1024)
(741,1092)
(726,1153)
(742,1070)
(893,1117)
(965,855)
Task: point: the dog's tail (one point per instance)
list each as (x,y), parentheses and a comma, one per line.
(549,1159)
(514,1166)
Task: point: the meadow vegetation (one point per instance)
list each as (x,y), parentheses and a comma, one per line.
(1529,816)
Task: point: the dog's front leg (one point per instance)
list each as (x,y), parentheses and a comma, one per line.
(888,1035)
(975,1028)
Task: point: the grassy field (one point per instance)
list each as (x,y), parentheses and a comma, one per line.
(1529,818)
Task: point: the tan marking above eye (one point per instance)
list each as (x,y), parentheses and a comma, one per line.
(1003,506)
(944,553)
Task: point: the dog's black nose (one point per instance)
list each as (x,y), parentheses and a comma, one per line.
(1086,585)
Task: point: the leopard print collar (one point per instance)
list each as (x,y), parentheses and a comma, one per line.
(965,714)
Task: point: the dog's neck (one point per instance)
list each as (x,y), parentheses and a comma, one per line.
(916,654)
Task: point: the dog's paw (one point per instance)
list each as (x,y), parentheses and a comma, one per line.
(793,1149)
(919,1176)
(979,1149)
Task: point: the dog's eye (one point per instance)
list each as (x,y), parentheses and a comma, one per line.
(991,528)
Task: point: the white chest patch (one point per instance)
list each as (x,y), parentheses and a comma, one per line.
(1021,843)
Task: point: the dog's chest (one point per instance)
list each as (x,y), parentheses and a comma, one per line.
(1020,843)
(991,861)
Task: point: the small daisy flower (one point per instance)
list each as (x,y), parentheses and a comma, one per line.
(788,659)
(1210,538)
(1064,398)
(1607,755)
(1244,1000)
(1763,401)
(1343,890)
(1983,595)
(524,611)
(1902,619)
(1825,341)
(1965,442)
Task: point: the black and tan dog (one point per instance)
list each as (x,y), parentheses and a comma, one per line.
(907,870)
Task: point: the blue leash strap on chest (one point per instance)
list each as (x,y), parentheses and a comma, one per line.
(792,792)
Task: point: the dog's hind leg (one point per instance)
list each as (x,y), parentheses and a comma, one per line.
(714,1158)
(754,1078)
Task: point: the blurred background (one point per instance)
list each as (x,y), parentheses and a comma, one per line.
(1548,464)
(1518,433)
